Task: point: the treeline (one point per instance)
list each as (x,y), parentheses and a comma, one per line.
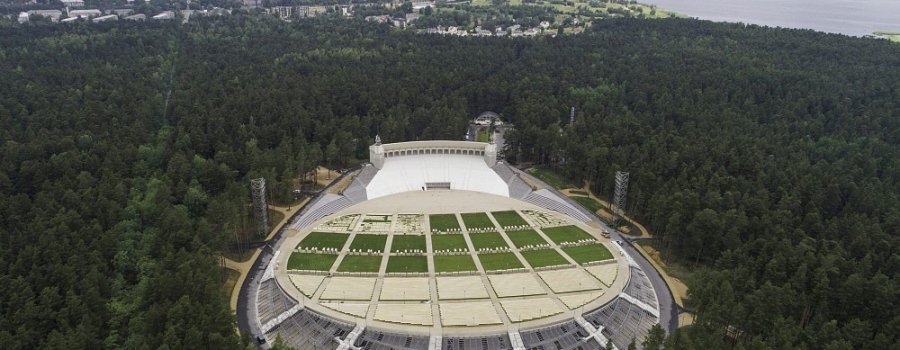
(767,156)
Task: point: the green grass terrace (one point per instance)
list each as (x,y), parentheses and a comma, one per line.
(584,254)
(319,240)
(407,264)
(443,222)
(567,234)
(490,240)
(477,221)
(448,242)
(309,261)
(408,243)
(454,263)
(365,242)
(525,238)
(509,218)
(544,257)
(360,263)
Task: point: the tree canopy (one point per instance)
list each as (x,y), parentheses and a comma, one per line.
(767,157)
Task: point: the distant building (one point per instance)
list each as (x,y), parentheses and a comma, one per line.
(85,13)
(73,3)
(67,20)
(283,12)
(137,17)
(410,17)
(346,10)
(165,15)
(378,19)
(105,18)
(186,15)
(418,5)
(545,24)
(23,17)
(122,12)
(314,11)
(54,15)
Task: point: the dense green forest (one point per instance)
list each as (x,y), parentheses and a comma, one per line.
(769,159)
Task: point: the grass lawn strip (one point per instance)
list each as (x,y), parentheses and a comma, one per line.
(544,257)
(308,261)
(407,264)
(508,218)
(324,240)
(365,242)
(527,237)
(588,253)
(408,243)
(360,263)
(565,234)
(488,240)
(443,222)
(454,263)
(477,220)
(499,261)
(550,178)
(587,202)
(448,241)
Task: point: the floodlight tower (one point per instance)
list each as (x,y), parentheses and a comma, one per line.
(260,208)
(620,194)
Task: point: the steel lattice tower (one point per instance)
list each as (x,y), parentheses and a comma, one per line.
(621,193)
(260,208)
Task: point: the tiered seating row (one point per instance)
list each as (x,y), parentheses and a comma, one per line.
(548,200)
(308,330)
(271,301)
(563,336)
(326,205)
(375,340)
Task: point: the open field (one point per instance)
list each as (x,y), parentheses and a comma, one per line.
(360,263)
(544,257)
(443,222)
(408,242)
(565,234)
(324,240)
(454,263)
(588,253)
(448,241)
(508,218)
(488,240)
(499,261)
(307,261)
(477,220)
(892,36)
(407,264)
(365,242)
(527,237)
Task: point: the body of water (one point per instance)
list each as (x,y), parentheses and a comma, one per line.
(852,17)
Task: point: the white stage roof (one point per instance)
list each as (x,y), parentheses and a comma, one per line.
(410,173)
